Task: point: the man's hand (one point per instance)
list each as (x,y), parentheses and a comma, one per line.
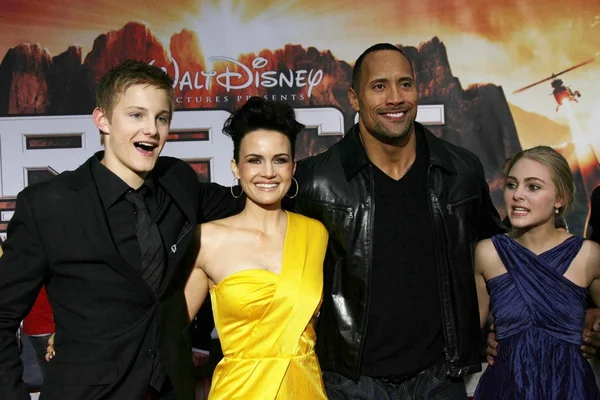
(50,349)
(492,349)
(591,333)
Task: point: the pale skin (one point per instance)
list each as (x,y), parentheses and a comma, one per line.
(254,238)
(531,198)
(134,132)
(386,99)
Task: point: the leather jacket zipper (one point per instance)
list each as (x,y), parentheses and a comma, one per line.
(349,210)
(450,206)
(365,325)
(435,203)
(449,262)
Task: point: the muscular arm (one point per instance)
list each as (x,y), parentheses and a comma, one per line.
(593,231)
(23,270)
(595,291)
(591,330)
(593,269)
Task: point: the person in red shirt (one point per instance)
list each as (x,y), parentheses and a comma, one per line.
(39,326)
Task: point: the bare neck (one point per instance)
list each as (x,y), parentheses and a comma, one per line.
(265,219)
(539,238)
(394,157)
(131,178)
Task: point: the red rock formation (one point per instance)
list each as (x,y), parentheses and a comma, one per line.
(478,117)
(133,41)
(25,74)
(71,91)
(185,48)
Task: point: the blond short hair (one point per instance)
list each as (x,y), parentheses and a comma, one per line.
(559,168)
(125,75)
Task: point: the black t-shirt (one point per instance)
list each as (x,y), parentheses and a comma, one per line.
(404,333)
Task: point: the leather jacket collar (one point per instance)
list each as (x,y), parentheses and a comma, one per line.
(354,157)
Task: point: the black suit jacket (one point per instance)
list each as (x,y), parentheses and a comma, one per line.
(109,324)
(594,220)
(202,327)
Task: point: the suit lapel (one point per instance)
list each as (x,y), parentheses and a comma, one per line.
(90,214)
(182,199)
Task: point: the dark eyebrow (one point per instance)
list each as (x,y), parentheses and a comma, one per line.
(138,108)
(534,179)
(529,179)
(379,80)
(259,156)
(385,80)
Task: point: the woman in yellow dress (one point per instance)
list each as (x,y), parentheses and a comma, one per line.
(263,267)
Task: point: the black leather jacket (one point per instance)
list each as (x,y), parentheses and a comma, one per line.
(336,187)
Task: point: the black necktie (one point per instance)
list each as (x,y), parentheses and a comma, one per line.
(149,240)
(152,262)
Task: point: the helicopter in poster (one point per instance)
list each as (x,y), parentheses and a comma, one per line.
(561,93)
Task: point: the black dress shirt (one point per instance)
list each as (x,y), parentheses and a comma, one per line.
(121,218)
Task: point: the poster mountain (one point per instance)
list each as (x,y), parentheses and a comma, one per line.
(479,118)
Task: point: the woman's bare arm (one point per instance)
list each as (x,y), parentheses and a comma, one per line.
(196,287)
(482,259)
(593,270)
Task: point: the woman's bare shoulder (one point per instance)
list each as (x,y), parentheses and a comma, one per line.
(485,249)
(591,252)
(217,226)
(216,232)
(486,257)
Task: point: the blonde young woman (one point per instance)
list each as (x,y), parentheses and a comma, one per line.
(536,279)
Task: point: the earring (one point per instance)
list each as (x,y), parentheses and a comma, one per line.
(297,188)
(231,189)
(556,210)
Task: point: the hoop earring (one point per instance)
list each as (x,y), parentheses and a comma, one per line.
(297,188)
(231,189)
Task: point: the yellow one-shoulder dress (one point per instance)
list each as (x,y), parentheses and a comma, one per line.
(265,322)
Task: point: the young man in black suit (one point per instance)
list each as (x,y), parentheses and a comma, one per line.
(108,241)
